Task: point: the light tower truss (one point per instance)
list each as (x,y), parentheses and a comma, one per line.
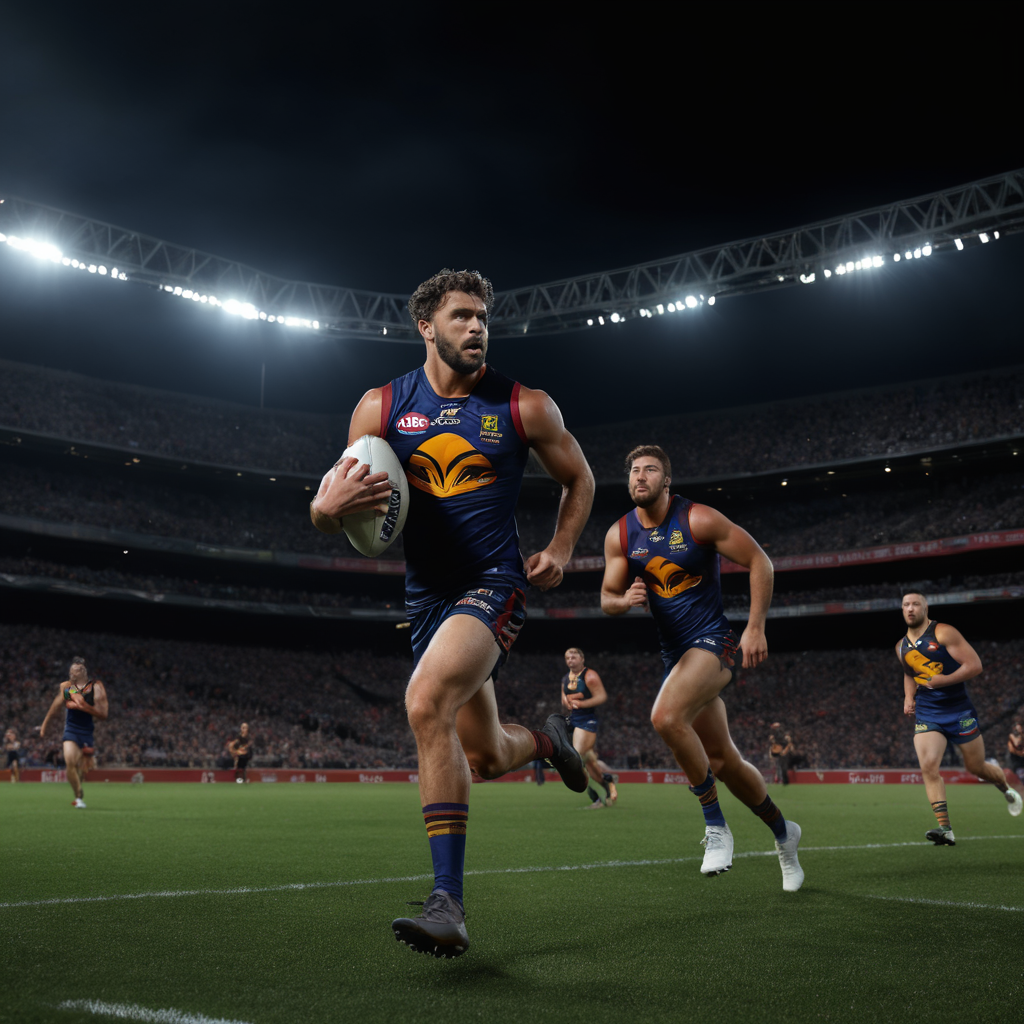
(969,213)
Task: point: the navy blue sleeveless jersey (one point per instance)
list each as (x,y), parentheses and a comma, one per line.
(682,576)
(464,459)
(81,721)
(583,718)
(925,658)
(577,685)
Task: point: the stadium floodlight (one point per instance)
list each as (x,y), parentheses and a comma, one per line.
(876,261)
(959,244)
(740,267)
(691,302)
(660,308)
(711,301)
(615,318)
(807,278)
(926,250)
(917,254)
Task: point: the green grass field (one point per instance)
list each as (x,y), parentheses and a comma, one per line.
(271,904)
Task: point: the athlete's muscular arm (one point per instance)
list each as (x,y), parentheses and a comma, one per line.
(618,595)
(709,526)
(563,459)
(339,495)
(58,703)
(98,709)
(960,650)
(909,685)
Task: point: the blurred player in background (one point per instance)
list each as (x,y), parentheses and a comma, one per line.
(1015,752)
(12,748)
(85,700)
(582,692)
(937,662)
(665,555)
(463,432)
(240,750)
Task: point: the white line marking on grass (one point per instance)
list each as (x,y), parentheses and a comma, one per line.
(947,903)
(131,1011)
(247,890)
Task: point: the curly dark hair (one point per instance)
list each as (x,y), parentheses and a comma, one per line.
(429,297)
(651,451)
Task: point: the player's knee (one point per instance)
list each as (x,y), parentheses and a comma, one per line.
(665,722)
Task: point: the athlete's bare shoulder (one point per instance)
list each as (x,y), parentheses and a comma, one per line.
(367,415)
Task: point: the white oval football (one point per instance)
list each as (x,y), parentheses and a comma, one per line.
(369,533)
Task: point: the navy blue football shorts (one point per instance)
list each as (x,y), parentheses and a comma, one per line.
(84,739)
(958,725)
(722,645)
(581,720)
(499,602)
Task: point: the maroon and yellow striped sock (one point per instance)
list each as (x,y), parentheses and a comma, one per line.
(941,813)
(707,793)
(446,831)
(772,817)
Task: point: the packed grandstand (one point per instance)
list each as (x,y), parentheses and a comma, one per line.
(118,494)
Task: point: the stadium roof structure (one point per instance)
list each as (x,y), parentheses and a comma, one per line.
(968,214)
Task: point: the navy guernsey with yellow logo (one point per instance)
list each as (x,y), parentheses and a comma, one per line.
(682,577)
(464,459)
(925,658)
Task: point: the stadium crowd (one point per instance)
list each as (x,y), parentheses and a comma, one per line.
(177,703)
(280,522)
(903,417)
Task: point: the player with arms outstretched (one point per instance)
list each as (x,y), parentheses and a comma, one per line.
(463,432)
(665,555)
(582,693)
(937,661)
(85,700)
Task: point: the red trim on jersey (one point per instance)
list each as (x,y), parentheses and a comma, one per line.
(517,420)
(624,536)
(385,408)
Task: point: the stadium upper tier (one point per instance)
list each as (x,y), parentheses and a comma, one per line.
(910,416)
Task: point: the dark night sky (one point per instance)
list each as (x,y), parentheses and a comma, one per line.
(372,151)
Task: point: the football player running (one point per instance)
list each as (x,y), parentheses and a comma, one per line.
(665,555)
(937,661)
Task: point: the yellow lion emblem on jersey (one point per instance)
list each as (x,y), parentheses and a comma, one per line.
(446,465)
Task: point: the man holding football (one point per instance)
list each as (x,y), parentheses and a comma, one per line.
(463,432)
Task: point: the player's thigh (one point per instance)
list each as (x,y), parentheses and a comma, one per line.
(583,740)
(457,662)
(696,679)
(72,753)
(930,747)
(973,754)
